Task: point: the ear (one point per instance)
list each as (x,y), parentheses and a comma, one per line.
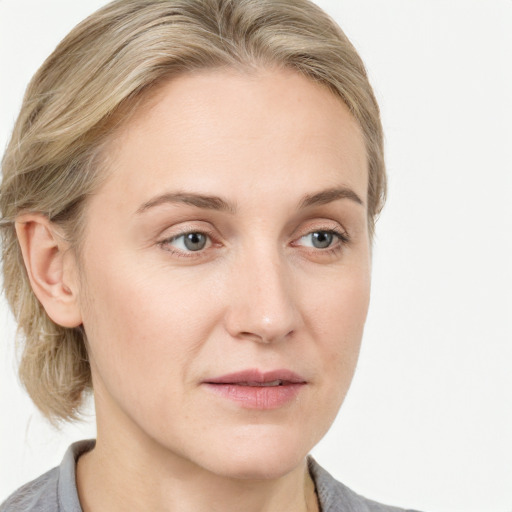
(51,268)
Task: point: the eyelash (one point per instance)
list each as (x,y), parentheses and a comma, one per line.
(342,237)
(341,240)
(165,244)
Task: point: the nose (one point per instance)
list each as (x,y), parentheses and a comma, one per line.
(263,304)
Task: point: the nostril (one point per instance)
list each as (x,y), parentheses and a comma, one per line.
(252,336)
(265,337)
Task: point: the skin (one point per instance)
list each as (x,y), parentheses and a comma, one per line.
(162,319)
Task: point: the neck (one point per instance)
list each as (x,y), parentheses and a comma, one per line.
(122,473)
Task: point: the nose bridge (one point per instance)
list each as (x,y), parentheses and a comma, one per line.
(263,305)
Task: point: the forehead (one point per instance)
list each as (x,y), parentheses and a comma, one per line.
(206,129)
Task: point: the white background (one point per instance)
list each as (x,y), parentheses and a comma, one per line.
(428,421)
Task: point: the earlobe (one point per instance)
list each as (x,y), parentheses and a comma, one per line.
(51,268)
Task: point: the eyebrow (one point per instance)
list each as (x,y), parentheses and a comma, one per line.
(330,195)
(217,203)
(197,200)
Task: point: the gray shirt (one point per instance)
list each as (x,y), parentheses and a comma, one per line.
(55,491)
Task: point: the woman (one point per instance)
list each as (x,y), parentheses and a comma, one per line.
(189,197)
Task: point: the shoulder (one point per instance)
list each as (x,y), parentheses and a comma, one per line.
(336,497)
(40,495)
(55,491)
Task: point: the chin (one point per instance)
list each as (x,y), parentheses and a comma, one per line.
(264,455)
(266,467)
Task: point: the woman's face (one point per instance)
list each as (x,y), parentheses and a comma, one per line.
(225,273)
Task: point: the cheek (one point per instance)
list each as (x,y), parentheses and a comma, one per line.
(338,309)
(145,324)
(337,319)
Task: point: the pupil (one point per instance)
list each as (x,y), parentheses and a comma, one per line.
(322,239)
(195,241)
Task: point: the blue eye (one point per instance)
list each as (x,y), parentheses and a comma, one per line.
(319,239)
(190,242)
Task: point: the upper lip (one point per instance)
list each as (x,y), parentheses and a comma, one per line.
(258,377)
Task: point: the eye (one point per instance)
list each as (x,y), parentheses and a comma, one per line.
(320,239)
(189,242)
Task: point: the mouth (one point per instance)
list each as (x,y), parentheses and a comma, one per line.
(277,382)
(255,389)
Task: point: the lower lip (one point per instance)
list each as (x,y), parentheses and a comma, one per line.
(257,397)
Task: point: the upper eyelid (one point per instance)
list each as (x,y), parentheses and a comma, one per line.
(172,238)
(188,232)
(175,232)
(206,228)
(342,236)
(322,225)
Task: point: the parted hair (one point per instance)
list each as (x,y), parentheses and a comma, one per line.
(92,81)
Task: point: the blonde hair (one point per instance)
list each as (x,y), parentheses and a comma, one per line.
(94,78)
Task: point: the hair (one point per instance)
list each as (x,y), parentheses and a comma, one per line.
(89,85)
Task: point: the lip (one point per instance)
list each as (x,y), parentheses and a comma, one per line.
(257,389)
